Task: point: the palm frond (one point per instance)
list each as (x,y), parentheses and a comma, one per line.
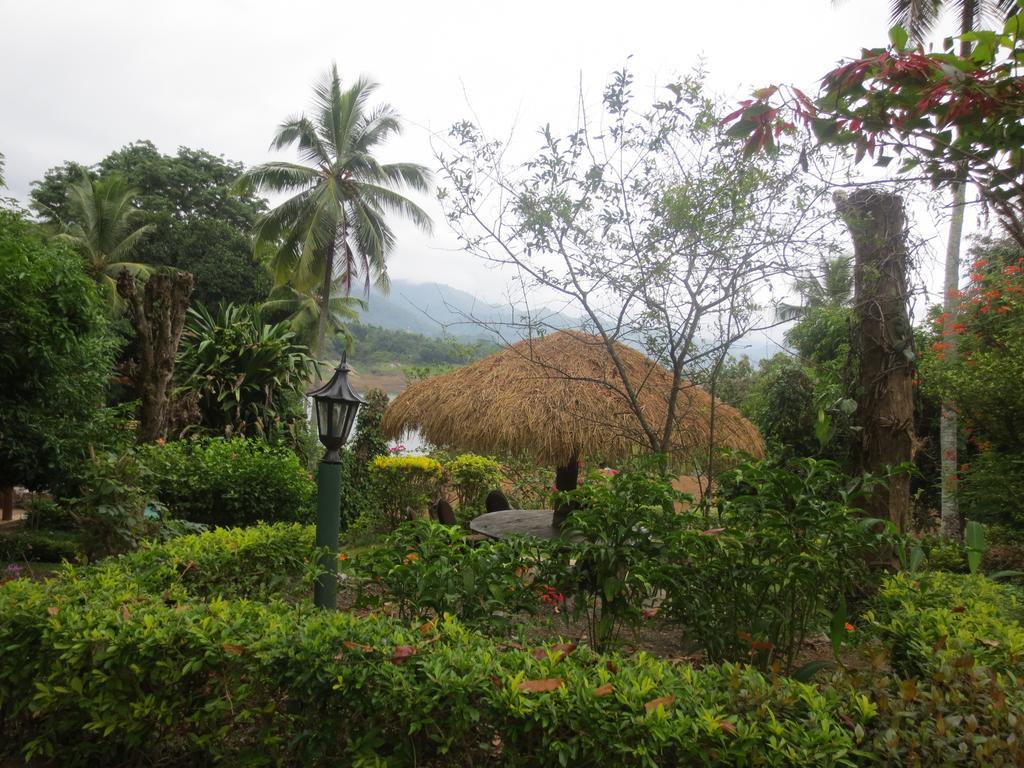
(391,201)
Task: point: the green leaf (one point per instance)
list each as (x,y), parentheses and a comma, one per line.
(837,626)
(974,536)
(807,672)
(898,37)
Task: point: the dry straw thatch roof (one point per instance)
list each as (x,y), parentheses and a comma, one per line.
(560,397)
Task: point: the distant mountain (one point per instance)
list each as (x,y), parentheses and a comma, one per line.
(436,309)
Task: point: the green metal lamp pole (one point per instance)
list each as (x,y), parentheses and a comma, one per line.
(336,407)
(328,523)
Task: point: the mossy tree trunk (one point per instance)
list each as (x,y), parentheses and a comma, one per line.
(877,224)
(158,314)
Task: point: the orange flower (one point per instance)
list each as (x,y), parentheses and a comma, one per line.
(342,556)
(980,263)
(849,627)
(411,557)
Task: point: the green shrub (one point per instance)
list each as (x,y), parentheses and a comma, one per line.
(258,562)
(404,486)
(472,477)
(786,548)
(427,570)
(230,482)
(57,353)
(358,494)
(956,645)
(117,677)
(944,554)
(992,489)
(100,667)
(529,485)
(612,543)
(936,620)
(110,509)
(244,376)
(42,546)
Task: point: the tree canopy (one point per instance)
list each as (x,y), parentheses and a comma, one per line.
(197,224)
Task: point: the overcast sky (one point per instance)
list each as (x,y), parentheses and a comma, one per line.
(83,78)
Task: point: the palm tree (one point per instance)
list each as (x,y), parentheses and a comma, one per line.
(919,17)
(333,230)
(303,308)
(830,286)
(102,227)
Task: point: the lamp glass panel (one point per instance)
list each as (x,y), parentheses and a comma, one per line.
(337,418)
(323,417)
(350,418)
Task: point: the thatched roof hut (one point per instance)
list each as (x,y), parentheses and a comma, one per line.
(560,398)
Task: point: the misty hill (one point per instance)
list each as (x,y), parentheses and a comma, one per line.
(436,309)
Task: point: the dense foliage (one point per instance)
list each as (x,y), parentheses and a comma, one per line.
(374,345)
(358,490)
(472,477)
(404,486)
(786,546)
(56,356)
(114,663)
(242,376)
(236,481)
(196,224)
(426,570)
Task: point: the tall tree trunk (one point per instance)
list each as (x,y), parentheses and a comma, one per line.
(325,289)
(948,419)
(876,221)
(158,314)
(948,428)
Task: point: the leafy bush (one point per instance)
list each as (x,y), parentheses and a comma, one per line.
(99,667)
(229,482)
(935,620)
(528,484)
(787,547)
(259,562)
(56,357)
(992,489)
(404,486)
(244,377)
(427,570)
(357,487)
(472,477)
(606,561)
(110,510)
(40,546)
(116,675)
(956,645)
(984,379)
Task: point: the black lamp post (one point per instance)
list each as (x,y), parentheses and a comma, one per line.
(336,405)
